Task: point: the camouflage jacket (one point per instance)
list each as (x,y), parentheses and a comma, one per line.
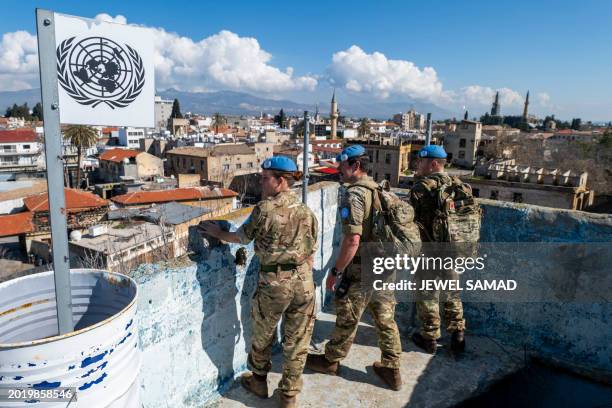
(356,209)
(285,230)
(424,199)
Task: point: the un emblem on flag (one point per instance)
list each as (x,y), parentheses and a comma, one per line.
(97,70)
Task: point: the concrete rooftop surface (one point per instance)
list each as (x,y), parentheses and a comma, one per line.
(429,381)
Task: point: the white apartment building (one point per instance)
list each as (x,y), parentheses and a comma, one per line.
(163,110)
(20,150)
(130,137)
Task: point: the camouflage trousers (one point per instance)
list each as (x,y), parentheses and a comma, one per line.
(288,295)
(349,310)
(428,307)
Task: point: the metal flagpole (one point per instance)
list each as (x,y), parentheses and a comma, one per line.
(47,59)
(305,168)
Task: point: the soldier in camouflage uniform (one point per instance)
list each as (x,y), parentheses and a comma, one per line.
(424,198)
(356,218)
(285,234)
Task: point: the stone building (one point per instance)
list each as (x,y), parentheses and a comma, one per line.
(118,164)
(216,165)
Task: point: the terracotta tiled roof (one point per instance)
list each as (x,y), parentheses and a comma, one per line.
(177,194)
(117,155)
(76,200)
(16,224)
(18,136)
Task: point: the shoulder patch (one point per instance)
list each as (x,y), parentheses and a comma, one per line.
(344,212)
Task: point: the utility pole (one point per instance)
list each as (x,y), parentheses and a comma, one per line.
(305,168)
(47,58)
(428,135)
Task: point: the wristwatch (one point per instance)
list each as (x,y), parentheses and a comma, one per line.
(334,271)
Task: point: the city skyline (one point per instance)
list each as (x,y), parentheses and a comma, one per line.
(453,56)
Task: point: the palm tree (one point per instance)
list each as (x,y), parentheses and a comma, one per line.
(218,120)
(82,137)
(364,127)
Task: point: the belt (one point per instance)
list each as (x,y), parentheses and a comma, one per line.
(278,267)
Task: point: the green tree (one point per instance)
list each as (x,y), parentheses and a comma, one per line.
(218,120)
(37,112)
(364,127)
(281,119)
(82,137)
(576,122)
(176,110)
(17,111)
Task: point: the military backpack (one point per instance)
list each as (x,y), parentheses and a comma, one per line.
(392,220)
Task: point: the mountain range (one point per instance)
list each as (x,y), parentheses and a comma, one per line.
(240,103)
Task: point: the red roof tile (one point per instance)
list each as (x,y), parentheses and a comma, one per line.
(18,136)
(16,224)
(178,194)
(76,200)
(326,149)
(328,170)
(117,155)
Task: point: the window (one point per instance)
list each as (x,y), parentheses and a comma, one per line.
(494,195)
(250,165)
(462,154)
(461,142)
(517,197)
(238,166)
(388,176)
(376,176)
(202,165)
(476,192)
(388,158)
(26,147)
(225,167)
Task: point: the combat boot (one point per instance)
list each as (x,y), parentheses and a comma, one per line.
(255,383)
(318,363)
(428,345)
(391,376)
(458,342)
(288,401)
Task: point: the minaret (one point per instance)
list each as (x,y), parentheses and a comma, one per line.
(525,109)
(334,115)
(496,108)
(465,117)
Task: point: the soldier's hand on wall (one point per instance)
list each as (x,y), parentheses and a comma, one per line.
(210,228)
(330,283)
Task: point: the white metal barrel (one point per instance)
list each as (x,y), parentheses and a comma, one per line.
(100,358)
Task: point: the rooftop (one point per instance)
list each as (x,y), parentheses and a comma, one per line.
(118,155)
(120,237)
(16,224)
(178,194)
(173,213)
(76,200)
(18,136)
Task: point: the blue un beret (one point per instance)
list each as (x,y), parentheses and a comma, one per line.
(280,163)
(351,152)
(432,152)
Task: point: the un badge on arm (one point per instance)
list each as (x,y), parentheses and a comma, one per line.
(344,213)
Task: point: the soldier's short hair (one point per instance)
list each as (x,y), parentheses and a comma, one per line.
(364,162)
(442,162)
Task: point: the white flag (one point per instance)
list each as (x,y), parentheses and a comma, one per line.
(105,72)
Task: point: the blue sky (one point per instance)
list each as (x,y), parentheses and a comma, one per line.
(561,51)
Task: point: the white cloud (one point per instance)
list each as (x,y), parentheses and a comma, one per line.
(374,73)
(221,61)
(543,99)
(484,95)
